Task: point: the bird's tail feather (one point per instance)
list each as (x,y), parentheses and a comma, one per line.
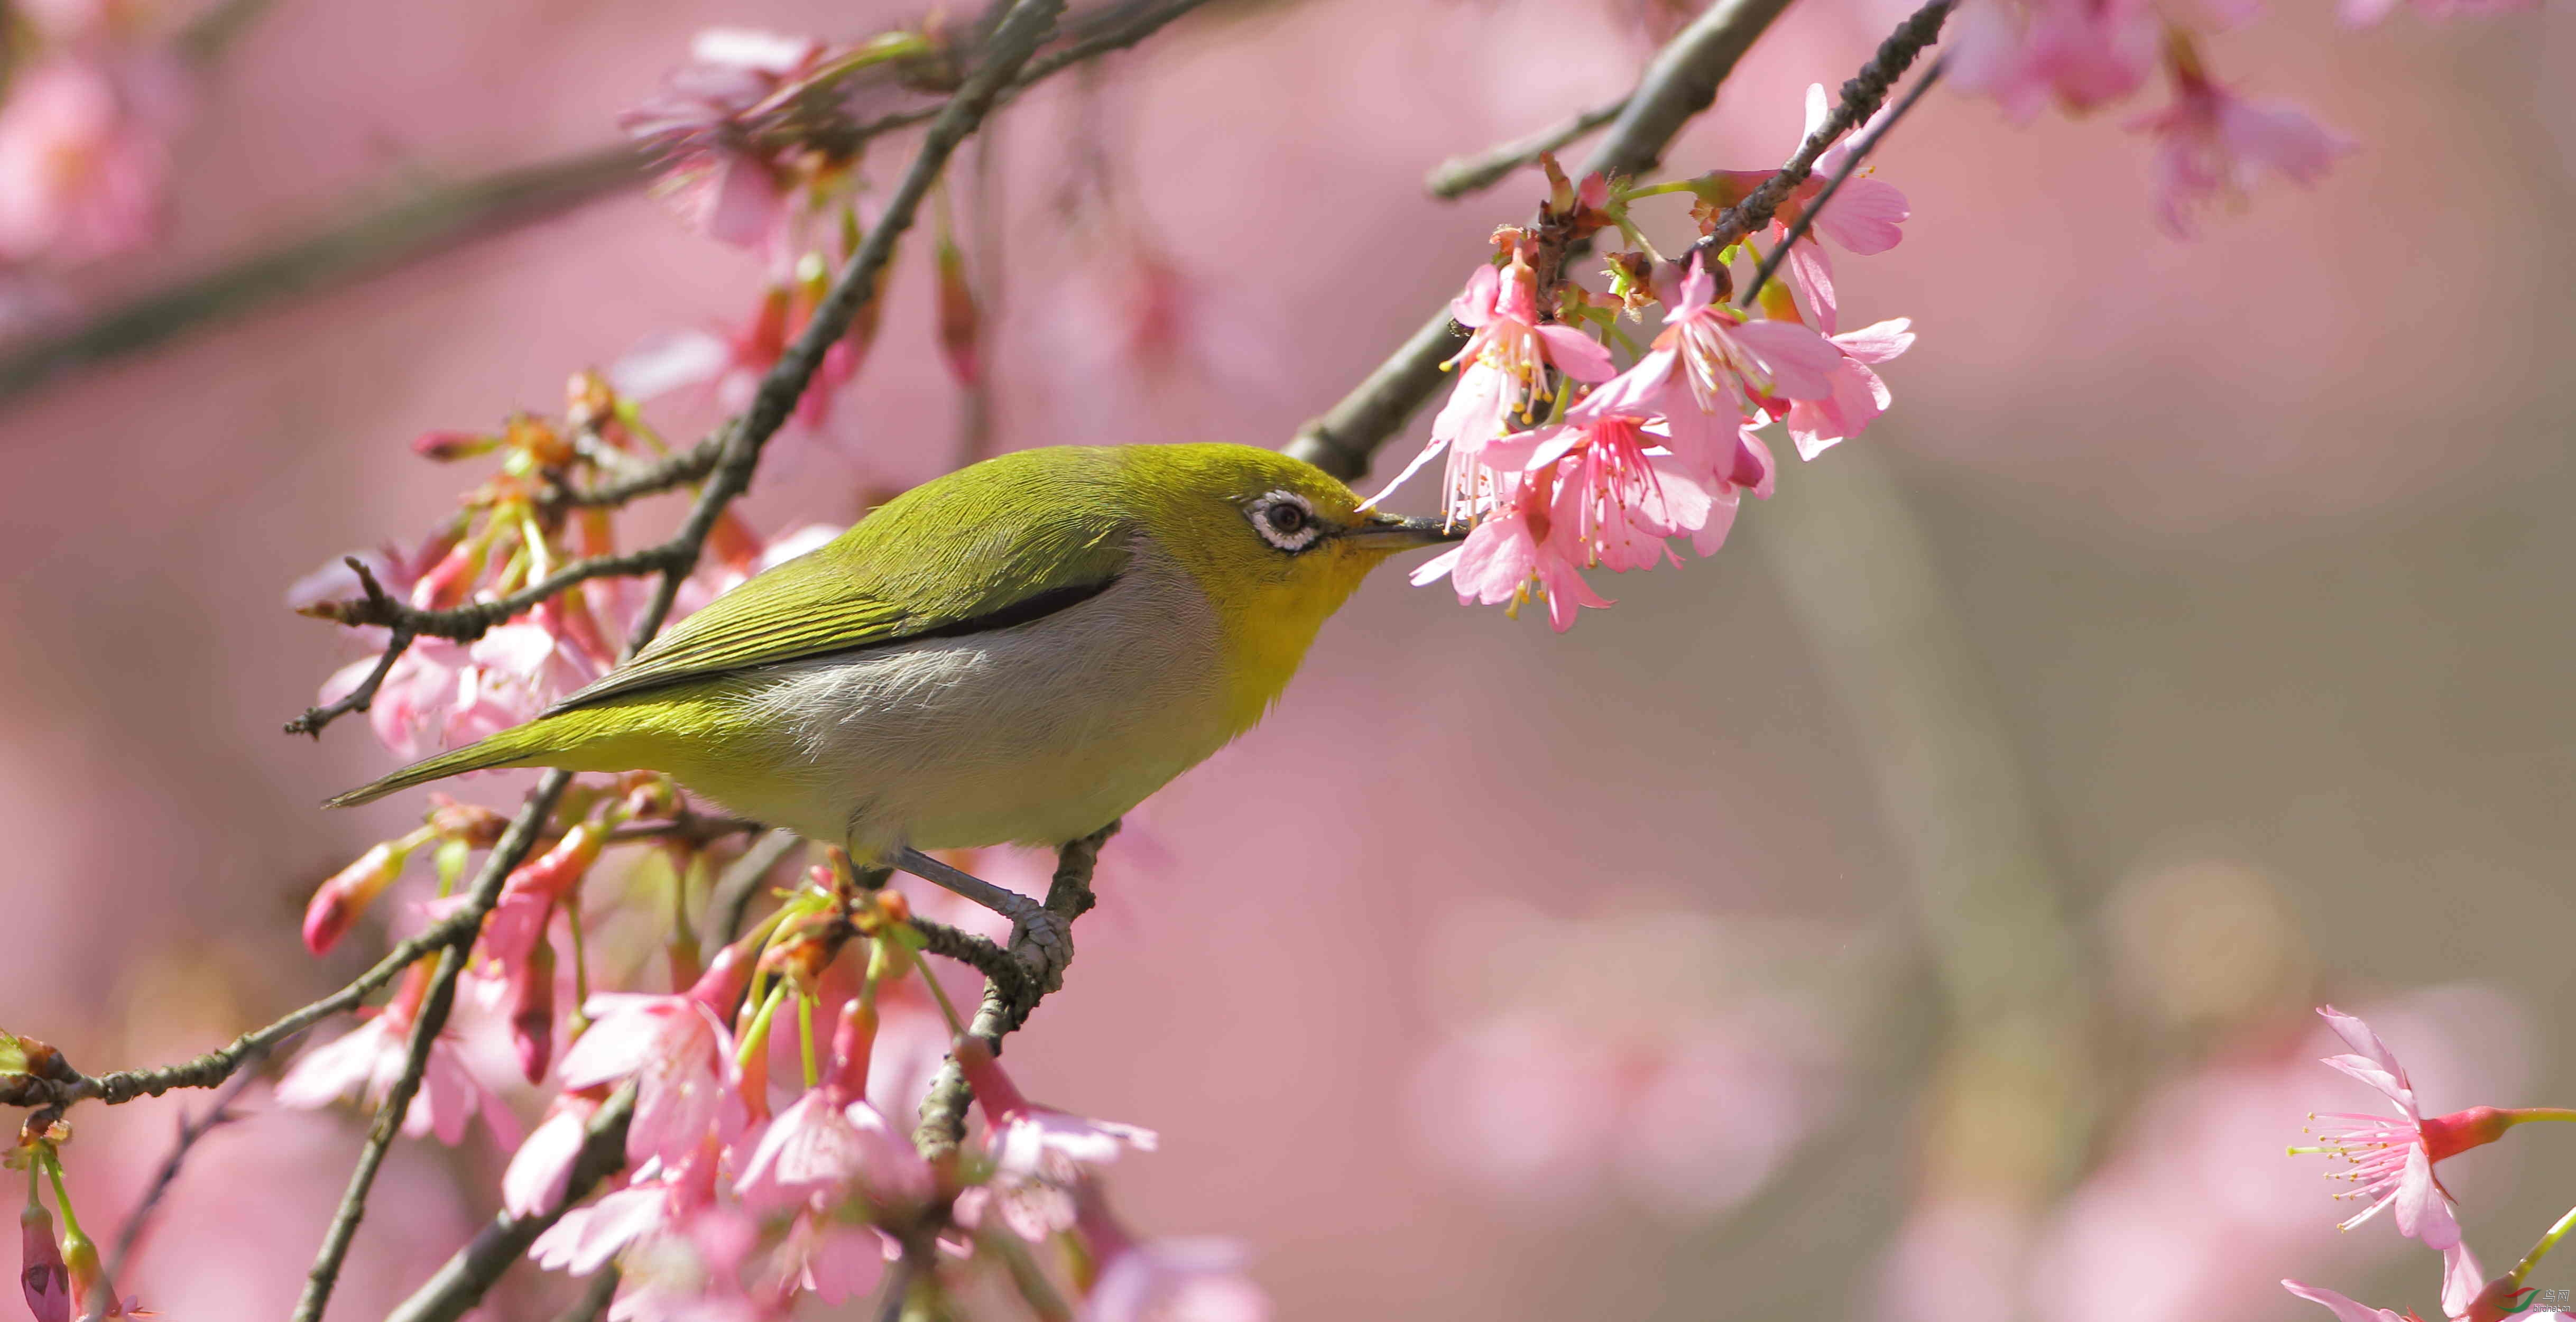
(509,748)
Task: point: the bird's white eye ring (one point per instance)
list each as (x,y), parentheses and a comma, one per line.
(1285,520)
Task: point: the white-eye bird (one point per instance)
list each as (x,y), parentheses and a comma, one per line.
(1018,652)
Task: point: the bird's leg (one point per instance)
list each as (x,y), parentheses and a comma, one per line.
(1040,926)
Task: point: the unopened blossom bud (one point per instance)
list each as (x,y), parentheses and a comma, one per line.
(41,1273)
(854,1038)
(447,447)
(721,985)
(338,902)
(562,867)
(532,1013)
(81,1266)
(960,323)
(1632,281)
(649,795)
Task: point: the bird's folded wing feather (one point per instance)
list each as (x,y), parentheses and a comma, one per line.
(853,594)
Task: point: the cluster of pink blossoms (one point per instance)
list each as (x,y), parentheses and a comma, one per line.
(2211,143)
(2390,1162)
(1626,460)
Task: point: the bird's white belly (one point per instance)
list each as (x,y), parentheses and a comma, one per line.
(1039,733)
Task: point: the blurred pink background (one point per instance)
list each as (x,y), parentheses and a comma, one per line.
(1502,974)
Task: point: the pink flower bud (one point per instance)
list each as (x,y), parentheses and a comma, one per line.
(81,1266)
(532,1012)
(562,867)
(338,902)
(994,1091)
(721,985)
(853,1041)
(447,447)
(46,1282)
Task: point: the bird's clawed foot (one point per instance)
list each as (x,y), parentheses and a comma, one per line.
(1041,938)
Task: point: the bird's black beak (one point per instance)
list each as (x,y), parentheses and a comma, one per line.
(1394,532)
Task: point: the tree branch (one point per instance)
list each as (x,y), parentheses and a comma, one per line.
(417,227)
(461,1282)
(1681,81)
(1019,33)
(1040,967)
(1862,95)
(1460,175)
(512,849)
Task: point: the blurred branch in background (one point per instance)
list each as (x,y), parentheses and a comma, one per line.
(2011,1110)
(1460,175)
(1680,82)
(418,227)
(447,216)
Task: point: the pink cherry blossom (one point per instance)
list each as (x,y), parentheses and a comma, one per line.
(1858,397)
(1531,539)
(663,1199)
(1163,1280)
(83,156)
(2391,1163)
(1505,361)
(2082,53)
(2211,143)
(2364,13)
(2467,1296)
(1031,1142)
(1750,365)
(701,120)
(539,1171)
(370,1058)
(823,1143)
(832,1259)
(677,1051)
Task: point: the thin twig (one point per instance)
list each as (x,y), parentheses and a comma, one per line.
(512,849)
(1460,175)
(417,227)
(1019,33)
(1681,82)
(666,474)
(461,1281)
(1862,94)
(1005,1007)
(191,1129)
(361,697)
(1862,146)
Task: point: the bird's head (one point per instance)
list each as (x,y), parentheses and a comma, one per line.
(1276,543)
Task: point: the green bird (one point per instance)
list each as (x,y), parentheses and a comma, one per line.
(1018,652)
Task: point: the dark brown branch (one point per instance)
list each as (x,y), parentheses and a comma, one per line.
(361,697)
(967,948)
(1862,146)
(665,474)
(1682,80)
(431,223)
(463,1279)
(1862,95)
(1460,175)
(1019,33)
(511,850)
(1040,965)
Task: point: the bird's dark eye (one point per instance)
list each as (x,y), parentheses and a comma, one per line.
(1285,520)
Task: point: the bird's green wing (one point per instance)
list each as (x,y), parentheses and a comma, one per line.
(939,561)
